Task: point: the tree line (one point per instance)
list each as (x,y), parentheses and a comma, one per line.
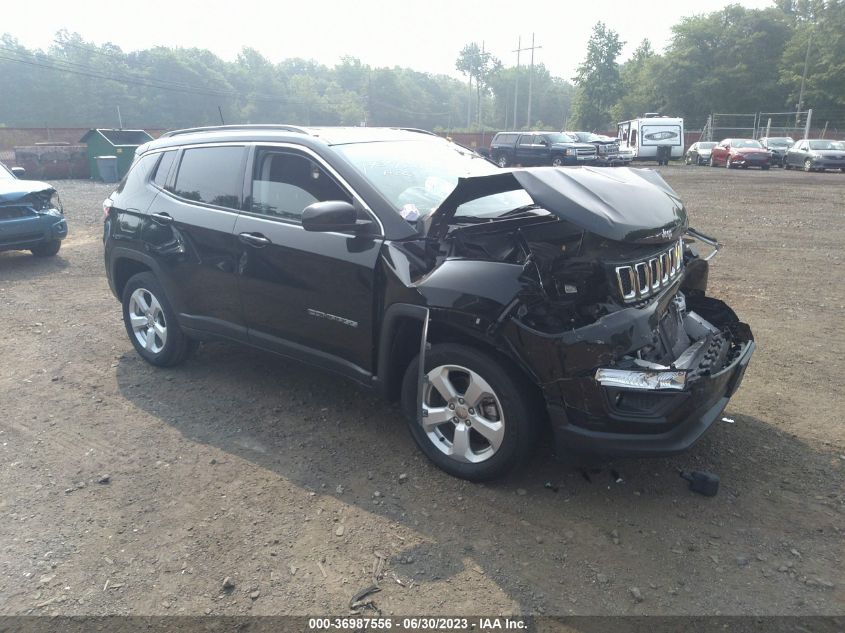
(732,60)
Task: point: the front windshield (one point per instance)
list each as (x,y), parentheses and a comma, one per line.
(706,145)
(747,143)
(822,145)
(780,142)
(416,176)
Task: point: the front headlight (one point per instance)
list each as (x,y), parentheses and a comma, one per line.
(642,379)
(51,205)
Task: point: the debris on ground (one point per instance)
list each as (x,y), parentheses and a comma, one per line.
(357,601)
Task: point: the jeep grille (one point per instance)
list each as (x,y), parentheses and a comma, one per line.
(640,280)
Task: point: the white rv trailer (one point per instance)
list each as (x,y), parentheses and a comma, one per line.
(643,136)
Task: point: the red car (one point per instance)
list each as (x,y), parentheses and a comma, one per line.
(740,152)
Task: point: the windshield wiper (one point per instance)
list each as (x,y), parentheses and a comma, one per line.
(519,210)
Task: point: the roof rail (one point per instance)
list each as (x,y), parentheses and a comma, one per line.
(416,129)
(226,128)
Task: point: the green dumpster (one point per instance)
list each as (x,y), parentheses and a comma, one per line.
(118,143)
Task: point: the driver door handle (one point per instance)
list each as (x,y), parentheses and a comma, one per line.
(254,239)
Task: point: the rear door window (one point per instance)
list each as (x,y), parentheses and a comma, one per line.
(213,175)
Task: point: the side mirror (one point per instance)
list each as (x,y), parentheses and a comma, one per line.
(332,215)
(19,172)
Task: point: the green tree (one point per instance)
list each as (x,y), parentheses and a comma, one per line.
(597,82)
(726,61)
(481,66)
(642,84)
(823,32)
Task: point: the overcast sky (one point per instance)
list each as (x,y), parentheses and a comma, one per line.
(425,35)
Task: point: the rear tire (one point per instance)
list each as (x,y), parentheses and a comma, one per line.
(712,161)
(151,322)
(557,161)
(502,161)
(46,249)
(482,394)
(729,163)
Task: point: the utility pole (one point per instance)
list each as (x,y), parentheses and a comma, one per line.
(803,80)
(478,90)
(516,84)
(531,81)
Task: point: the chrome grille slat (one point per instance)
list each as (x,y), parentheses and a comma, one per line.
(642,279)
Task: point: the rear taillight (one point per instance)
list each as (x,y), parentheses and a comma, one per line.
(107,205)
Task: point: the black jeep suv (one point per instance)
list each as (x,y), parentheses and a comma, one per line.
(493,303)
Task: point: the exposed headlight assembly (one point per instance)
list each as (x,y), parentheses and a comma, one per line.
(51,205)
(652,380)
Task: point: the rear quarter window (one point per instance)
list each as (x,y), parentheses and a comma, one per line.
(213,175)
(138,174)
(163,168)
(506,139)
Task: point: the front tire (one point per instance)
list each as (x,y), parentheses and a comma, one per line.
(480,419)
(151,322)
(808,165)
(47,249)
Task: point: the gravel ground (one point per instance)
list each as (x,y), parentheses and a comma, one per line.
(130,489)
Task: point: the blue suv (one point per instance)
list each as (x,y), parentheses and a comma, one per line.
(31,215)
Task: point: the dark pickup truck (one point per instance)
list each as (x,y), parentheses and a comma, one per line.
(540,148)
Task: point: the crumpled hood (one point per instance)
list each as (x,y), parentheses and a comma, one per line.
(621,204)
(12,190)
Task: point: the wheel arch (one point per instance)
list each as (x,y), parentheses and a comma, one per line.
(124,267)
(400,342)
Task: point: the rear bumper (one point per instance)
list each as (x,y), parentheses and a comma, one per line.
(677,423)
(28,232)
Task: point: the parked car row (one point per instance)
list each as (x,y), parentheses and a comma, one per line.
(783,151)
(556,148)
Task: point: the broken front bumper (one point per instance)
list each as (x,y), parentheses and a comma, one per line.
(603,399)
(30,230)
(642,423)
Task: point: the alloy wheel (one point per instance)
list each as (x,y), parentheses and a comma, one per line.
(462,415)
(147,319)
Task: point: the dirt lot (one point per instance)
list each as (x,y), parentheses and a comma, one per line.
(286,480)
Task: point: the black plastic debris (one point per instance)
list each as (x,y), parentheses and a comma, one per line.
(703,483)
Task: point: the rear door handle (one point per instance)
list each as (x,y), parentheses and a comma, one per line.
(254,239)
(162,218)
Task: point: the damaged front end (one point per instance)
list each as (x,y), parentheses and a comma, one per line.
(599,294)
(31,213)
